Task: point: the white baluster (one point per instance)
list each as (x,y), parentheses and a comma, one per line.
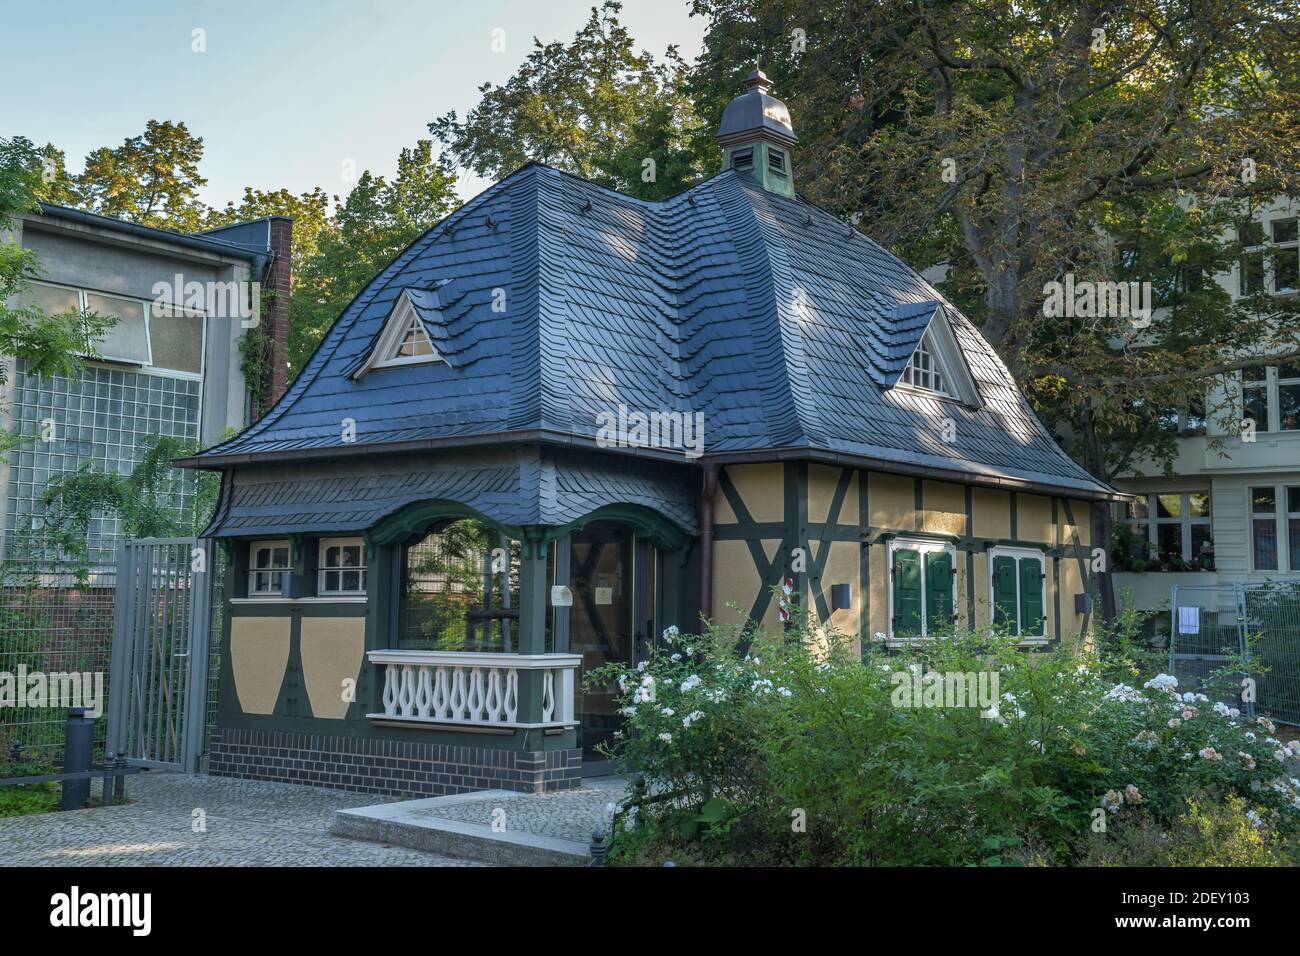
(511,699)
(390,690)
(424,692)
(474,699)
(406,692)
(441,693)
(492,700)
(456,703)
(548,694)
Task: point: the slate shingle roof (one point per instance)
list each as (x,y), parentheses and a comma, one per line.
(781,324)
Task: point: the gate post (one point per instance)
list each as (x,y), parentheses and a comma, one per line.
(196,692)
(119,677)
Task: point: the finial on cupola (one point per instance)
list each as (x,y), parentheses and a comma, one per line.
(756,136)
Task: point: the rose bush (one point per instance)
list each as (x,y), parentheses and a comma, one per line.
(798,749)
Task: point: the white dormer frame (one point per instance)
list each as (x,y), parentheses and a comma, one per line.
(400,322)
(939,344)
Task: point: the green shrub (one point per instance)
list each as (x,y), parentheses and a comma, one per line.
(798,749)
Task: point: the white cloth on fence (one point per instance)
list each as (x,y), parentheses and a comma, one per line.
(1189,620)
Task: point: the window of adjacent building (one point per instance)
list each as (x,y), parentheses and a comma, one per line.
(128,339)
(1293,525)
(924,371)
(1263,527)
(1018,591)
(176,339)
(1270,396)
(922,596)
(141,336)
(342,567)
(1285,258)
(1176,525)
(1270,259)
(267,563)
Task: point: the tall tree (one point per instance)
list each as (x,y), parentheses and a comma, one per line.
(1018,142)
(595,107)
(376,222)
(152,179)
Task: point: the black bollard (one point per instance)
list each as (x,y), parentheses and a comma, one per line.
(78,745)
(598,849)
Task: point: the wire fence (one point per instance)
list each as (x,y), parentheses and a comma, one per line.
(56,633)
(56,639)
(1249,631)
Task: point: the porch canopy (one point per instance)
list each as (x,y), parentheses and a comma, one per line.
(514,488)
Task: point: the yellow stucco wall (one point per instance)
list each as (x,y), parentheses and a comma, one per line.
(945,507)
(891,508)
(332,649)
(259,653)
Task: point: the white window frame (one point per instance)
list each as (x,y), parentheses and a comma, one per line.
(322,571)
(396,326)
(1266,250)
(1281,527)
(939,342)
(1018,553)
(253,571)
(923,379)
(923,546)
(1149,525)
(147,307)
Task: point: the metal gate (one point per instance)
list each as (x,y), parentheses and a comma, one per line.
(158,687)
(1214,625)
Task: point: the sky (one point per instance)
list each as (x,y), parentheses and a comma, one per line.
(287,93)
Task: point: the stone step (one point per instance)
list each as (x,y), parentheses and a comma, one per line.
(413,824)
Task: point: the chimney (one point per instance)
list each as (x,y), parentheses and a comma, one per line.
(756,136)
(277,281)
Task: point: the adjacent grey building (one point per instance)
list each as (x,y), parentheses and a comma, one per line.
(159,373)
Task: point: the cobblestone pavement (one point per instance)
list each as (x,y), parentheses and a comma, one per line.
(567,814)
(248,823)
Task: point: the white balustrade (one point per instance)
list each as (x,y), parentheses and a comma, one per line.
(476,690)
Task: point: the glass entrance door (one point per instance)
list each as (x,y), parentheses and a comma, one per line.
(600,626)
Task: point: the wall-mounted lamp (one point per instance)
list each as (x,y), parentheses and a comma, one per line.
(1083,604)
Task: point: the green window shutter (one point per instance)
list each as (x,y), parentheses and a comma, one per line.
(1031,597)
(938,592)
(907,592)
(1004,592)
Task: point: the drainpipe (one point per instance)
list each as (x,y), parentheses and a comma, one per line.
(706,538)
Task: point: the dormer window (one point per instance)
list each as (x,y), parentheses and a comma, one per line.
(937,365)
(415,344)
(924,371)
(404,339)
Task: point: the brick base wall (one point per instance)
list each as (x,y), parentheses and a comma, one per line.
(388,767)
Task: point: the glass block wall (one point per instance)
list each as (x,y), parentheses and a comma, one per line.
(101,417)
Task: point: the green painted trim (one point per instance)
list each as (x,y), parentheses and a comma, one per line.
(1056,570)
(1015,517)
(970,559)
(413,519)
(646,522)
(1084,574)
(918,503)
(864,569)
